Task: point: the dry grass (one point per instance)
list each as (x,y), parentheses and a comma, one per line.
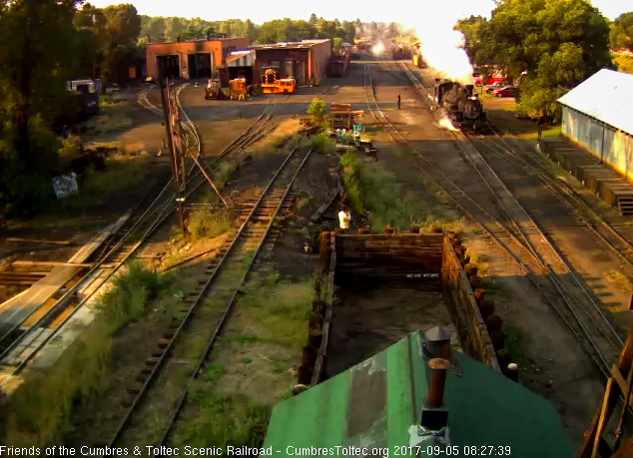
(40,410)
(619,279)
(209,224)
(177,252)
(282,135)
(112,119)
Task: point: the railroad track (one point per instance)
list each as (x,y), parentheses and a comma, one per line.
(564,193)
(522,240)
(19,347)
(220,285)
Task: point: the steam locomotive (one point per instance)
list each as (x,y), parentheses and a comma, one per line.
(464,109)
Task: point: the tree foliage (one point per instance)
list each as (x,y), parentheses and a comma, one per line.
(621,35)
(44,44)
(173,28)
(317,111)
(35,36)
(547,46)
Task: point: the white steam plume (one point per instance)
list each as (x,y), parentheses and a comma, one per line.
(440,44)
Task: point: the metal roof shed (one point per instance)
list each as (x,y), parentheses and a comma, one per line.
(598,115)
(373,405)
(607,96)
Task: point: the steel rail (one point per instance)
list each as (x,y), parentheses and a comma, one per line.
(384,122)
(220,326)
(151,377)
(596,308)
(154,208)
(560,187)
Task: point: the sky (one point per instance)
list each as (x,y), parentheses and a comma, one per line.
(404,11)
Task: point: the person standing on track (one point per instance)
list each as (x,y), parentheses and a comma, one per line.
(399,100)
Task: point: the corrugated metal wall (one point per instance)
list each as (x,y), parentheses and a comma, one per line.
(614,146)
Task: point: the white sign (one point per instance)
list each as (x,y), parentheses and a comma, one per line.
(65,185)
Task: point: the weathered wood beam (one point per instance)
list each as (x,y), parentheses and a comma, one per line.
(50,264)
(49,242)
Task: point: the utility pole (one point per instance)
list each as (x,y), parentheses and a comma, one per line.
(170,141)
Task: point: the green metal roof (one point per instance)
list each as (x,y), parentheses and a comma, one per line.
(374,404)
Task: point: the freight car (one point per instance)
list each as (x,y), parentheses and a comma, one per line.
(86,93)
(337,66)
(80,103)
(464,110)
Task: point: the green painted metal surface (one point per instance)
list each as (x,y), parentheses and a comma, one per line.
(372,405)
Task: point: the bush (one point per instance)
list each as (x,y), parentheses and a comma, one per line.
(321,143)
(206,224)
(317,110)
(351,174)
(129,296)
(372,188)
(25,186)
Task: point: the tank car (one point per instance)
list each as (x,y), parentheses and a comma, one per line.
(465,110)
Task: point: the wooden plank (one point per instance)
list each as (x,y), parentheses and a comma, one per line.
(393,251)
(620,382)
(626,356)
(16,310)
(44,242)
(327,204)
(49,264)
(603,419)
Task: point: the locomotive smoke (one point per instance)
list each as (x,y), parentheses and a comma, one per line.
(440,44)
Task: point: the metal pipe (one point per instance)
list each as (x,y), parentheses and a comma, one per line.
(435,397)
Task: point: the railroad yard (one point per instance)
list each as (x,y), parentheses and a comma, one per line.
(225,311)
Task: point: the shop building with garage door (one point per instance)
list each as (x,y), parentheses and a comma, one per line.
(190,59)
(306,60)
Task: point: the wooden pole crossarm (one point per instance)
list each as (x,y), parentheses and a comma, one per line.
(195,159)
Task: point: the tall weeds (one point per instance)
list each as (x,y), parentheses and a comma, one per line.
(40,411)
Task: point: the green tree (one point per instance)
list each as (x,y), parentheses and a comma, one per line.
(350,31)
(35,39)
(317,110)
(548,46)
(621,35)
(471,30)
(313,19)
(122,26)
(337,42)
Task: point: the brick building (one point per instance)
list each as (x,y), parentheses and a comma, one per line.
(304,60)
(190,59)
